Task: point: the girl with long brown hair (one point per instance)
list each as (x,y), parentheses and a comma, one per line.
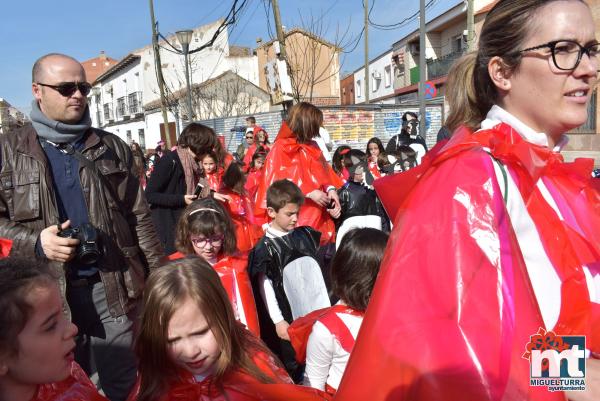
(190,347)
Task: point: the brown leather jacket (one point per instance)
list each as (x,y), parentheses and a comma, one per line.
(28,205)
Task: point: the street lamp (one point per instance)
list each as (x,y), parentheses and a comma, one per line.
(184,38)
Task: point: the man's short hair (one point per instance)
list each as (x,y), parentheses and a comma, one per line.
(282,192)
(251,120)
(36,71)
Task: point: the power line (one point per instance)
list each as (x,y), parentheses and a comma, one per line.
(400,24)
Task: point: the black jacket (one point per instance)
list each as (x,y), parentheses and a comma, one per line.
(359,200)
(165,192)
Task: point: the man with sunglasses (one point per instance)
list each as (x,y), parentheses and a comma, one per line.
(59,175)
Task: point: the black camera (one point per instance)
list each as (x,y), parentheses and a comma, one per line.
(88,251)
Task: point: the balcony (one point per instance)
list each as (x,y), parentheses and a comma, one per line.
(108,112)
(122,109)
(439,67)
(135,103)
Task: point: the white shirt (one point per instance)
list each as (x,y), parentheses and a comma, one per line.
(544,279)
(326,360)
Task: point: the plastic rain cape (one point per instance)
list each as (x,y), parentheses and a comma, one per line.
(453,307)
(305,165)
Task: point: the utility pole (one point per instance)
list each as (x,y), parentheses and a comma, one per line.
(366,4)
(422,70)
(279,29)
(470,26)
(159,76)
(282,54)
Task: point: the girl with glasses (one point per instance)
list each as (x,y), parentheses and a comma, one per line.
(495,236)
(205,229)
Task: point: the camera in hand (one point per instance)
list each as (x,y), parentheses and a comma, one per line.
(331,204)
(87,252)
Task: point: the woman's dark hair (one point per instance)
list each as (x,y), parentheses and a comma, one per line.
(505,30)
(381,159)
(18,277)
(234,178)
(199,138)
(205,216)
(337,160)
(304,120)
(355,266)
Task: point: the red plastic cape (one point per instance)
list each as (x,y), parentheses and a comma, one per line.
(247,229)
(5,247)
(300,329)
(251,186)
(76,387)
(305,165)
(214,179)
(234,275)
(453,307)
(232,271)
(239,386)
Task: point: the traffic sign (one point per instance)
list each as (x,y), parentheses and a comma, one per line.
(430,90)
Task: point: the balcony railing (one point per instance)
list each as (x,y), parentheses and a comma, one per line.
(108,112)
(135,102)
(439,67)
(122,109)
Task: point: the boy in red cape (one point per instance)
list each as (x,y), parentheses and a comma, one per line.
(294,156)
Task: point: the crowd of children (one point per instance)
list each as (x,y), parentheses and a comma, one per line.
(217,320)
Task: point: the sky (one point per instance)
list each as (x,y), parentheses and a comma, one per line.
(31,28)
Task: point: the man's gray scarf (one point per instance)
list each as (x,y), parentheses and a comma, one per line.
(56,131)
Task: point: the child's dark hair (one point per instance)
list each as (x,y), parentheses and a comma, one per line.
(381,159)
(18,277)
(234,178)
(282,192)
(337,160)
(206,217)
(261,153)
(355,266)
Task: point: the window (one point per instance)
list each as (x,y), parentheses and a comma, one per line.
(457,44)
(121,107)
(142,139)
(358,88)
(108,113)
(387,75)
(128,135)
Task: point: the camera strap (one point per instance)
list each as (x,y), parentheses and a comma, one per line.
(69,149)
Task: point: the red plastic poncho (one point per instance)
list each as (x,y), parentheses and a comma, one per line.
(305,165)
(247,228)
(239,386)
(76,387)
(252,181)
(214,179)
(453,306)
(232,271)
(5,247)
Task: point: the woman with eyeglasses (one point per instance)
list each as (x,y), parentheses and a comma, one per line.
(205,229)
(497,239)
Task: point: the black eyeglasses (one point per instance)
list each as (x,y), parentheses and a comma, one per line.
(69,88)
(249,137)
(566,54)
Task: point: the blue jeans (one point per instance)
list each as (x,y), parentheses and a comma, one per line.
(104,343)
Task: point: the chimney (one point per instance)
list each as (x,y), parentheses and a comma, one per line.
(102,55)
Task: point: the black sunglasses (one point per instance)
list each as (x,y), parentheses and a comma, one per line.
(249,137)
(69,88)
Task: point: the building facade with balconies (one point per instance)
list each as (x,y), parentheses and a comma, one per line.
(116,101)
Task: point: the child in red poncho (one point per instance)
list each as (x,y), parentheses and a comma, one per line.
(241,208)
(205,229)
(212,173)
(36,338)
(191,348)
